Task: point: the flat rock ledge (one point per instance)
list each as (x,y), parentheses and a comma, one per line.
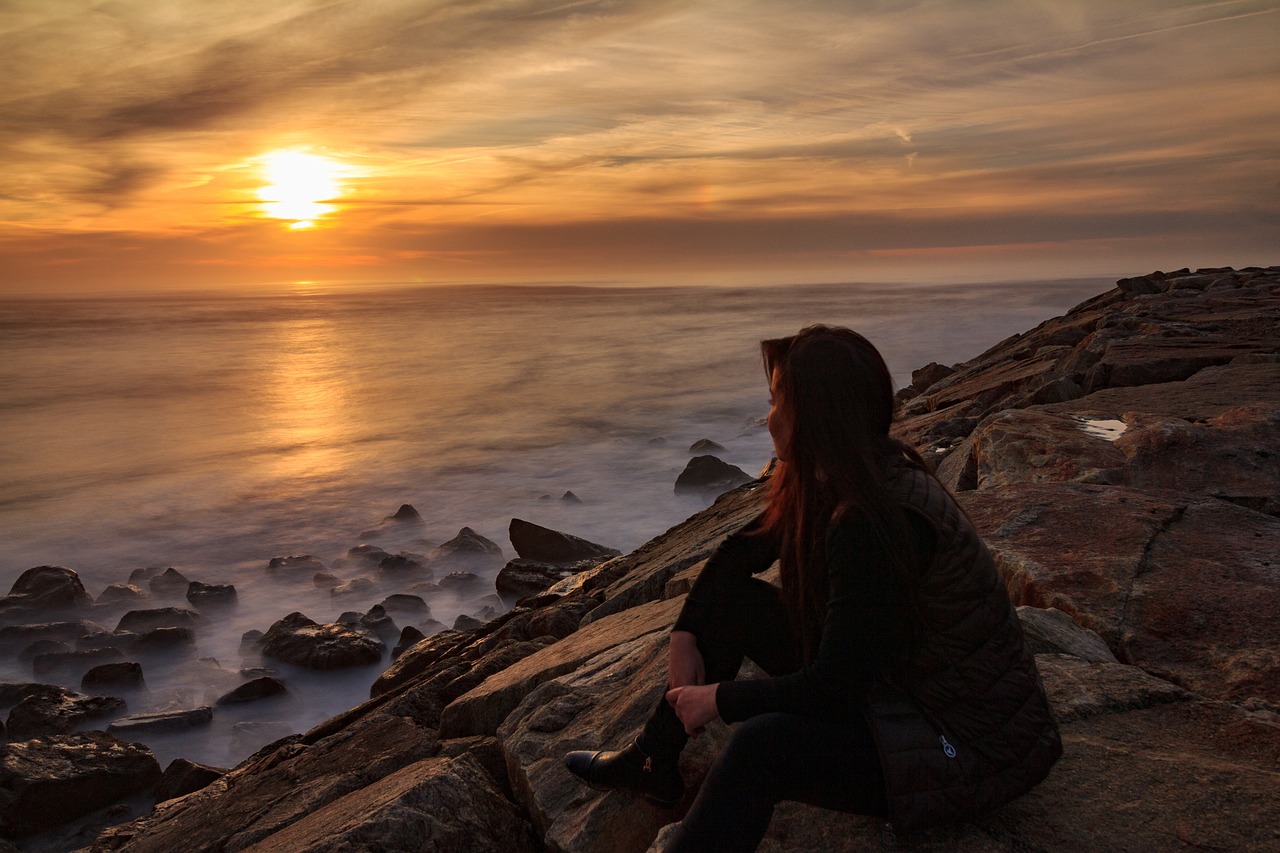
(1142,557)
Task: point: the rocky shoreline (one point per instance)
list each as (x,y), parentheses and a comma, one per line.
(1123,463)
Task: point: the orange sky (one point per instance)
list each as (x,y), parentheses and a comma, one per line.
(635,140)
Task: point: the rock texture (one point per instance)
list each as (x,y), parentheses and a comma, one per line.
(1142,553)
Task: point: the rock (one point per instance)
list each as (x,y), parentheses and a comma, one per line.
(78,661)
(122,593)
(137,576)
(570,498)
(368,553)
(382,625)
(324,580)
(157,722)
(46,589)
(126,674)
(170,583)
(249,641)
(932,373)
(467,549)
(1052,631)
(49,781)
(411,605)
(295,564)
(210,595)
(183,777)
(252,735)
(106,640)
(461,582)
(298,640)
(706,445)
(541,544)
(163,640)
(709,476)
(466,623)
(23,635)
(402,567)
(42,647)
(406,514)
(521,578)
(56,711)
(354,587)
(444,804)
(263,687)
(142,621)
(409,637)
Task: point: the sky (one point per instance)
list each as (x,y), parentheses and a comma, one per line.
(167,144)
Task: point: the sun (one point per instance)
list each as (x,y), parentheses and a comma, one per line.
(300,187)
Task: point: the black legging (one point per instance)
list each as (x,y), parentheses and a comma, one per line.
(826,758)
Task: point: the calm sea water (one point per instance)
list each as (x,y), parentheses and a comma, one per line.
(211,433)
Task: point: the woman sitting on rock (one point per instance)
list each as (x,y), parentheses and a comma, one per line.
(899,683)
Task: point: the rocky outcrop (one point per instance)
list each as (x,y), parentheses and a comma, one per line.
(1142,555)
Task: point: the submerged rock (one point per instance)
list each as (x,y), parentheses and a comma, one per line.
(170,583)
(295,563)
(710,476)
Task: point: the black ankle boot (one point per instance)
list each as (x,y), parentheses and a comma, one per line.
(630,769)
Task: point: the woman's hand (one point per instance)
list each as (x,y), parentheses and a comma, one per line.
(695,705)
(684,661)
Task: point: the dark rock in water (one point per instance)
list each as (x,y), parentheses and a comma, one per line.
(535,542)
(262,687)
(122,593)
(183,777)
(250,736)
(249,641)
(658,441)
(295,563)
(141,621)
(46,588)
(706,445)
(468,547)
(570,498)
(405,515)
(324,580)
(355,586)
(125,674)
(521,578)
(403,566)
(170,583)
(159,640)
(137,576)
(106,639)
(210,595)
(56,711)
(377,621)
(372,553)
(298,640)
(80,660)
(349,617)
(402,602)
(53,780)
(159,722)
(461,581)
(466,623)
(409,637)
(22,635)
(42,647)
(710,476)
(13,692)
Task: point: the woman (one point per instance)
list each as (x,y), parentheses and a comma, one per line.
(900,685)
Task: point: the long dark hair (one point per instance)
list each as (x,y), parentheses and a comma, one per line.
(836,392)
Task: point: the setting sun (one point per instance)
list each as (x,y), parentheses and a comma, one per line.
(300,187)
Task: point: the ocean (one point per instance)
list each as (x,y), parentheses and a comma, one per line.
(213,432)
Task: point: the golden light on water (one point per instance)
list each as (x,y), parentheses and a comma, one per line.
(300,187)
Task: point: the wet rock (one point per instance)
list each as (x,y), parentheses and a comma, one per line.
(298,640)
(354,587)
(409,636)
(368,553)
(183,777)
(50,781)
(403,603)
(403,566)
(125,674)
(45,589)
(382,625)
(106,639)
(467,549)
(42,647)
(170,583)
(706,445)
(210,595)
(466,623)
(544,545)
(709,476)
(23,635)
(158,722)
(461,582)
(142,621)
(56,711)
(78,661)
(295,564)
(122,593)
(164,640)
(521,578)
(570,498)
(405,515)
(262,687)
(140,576)
(249,641)
(324,580)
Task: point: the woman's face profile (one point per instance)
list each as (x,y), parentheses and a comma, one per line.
(779,420)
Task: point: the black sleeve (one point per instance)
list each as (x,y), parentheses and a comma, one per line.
(746,552)
(863,608)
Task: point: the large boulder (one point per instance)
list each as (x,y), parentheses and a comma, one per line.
(49,781)
(298,640)
(535,542)
(46,588)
